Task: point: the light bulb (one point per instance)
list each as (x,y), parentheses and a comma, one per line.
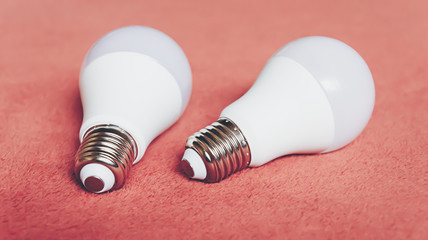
(135,82)
(315,95)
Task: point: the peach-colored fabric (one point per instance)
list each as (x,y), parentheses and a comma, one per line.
(375,188)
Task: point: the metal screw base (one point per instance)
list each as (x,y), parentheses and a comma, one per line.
(110,146)
(223,148)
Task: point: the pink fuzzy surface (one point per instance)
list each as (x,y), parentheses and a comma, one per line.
(375,188)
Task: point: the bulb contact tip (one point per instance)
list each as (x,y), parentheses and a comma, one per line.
(94,184)
(193,165)
(188,170)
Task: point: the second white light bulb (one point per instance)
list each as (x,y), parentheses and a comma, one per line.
(316,94)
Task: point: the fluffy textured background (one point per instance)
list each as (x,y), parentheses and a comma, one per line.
(376,188)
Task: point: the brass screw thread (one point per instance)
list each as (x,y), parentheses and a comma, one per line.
(110,146)
(222,147)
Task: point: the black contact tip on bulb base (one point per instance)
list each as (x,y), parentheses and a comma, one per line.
(222,148)
(94,184)
(104,158)
(187,168)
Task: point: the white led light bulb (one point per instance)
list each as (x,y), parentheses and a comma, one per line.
(316,94)
(135,82)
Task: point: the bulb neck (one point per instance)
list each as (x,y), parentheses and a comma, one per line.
(109,147)
(222,148)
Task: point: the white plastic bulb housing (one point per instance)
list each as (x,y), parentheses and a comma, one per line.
(316,94)
(135,82)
